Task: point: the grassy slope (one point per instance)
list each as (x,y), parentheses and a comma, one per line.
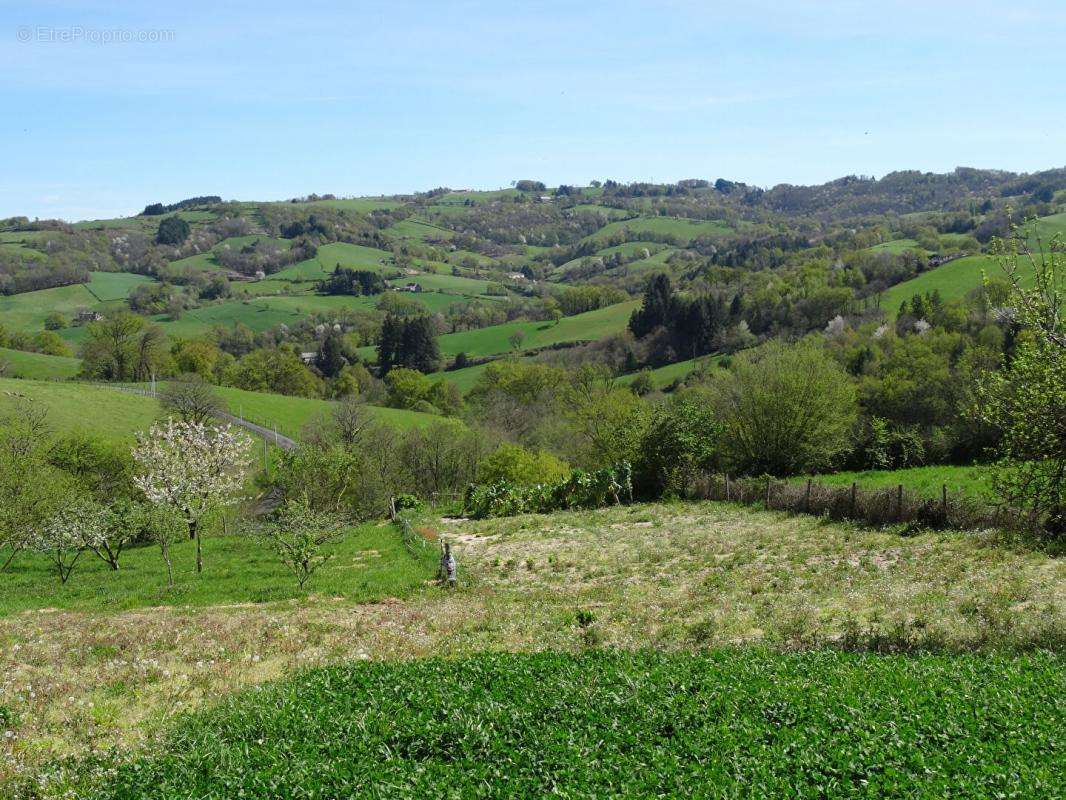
(119,415)
(668,576)
(643,724)
(38,365)
(926,481)
(83,407)
(953,280)
(957,278)
(369,563)
(27,311)
(685,229)
(581,327)
(291,414)
(664,376)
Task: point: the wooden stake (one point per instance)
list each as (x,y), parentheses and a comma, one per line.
(854,491)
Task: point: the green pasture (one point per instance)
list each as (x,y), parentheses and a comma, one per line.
(20,364)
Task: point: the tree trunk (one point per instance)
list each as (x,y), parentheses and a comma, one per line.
(195,530)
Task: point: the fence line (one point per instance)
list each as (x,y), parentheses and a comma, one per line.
(884,506)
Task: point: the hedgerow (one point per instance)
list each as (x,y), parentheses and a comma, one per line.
(722,724)
(602,487)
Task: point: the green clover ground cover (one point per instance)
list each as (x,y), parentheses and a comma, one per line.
(732,723)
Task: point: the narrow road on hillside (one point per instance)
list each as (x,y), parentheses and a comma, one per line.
(268,435)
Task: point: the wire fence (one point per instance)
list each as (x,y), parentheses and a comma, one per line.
(889,505)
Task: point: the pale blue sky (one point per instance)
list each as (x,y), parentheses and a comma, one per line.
(269,100)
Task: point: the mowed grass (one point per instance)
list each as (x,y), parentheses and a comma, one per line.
(361,205)
(418,230)
(368,563)
(972,481)
(606,724)
(82,407)
(28,310)
(21,364)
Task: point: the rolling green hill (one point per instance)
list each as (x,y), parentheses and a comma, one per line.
(290,414)
(21,364)
(495,340)
(83,407)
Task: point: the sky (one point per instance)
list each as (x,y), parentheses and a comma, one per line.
(109,106)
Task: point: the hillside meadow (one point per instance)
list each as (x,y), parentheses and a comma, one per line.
(719,591)
(20,364)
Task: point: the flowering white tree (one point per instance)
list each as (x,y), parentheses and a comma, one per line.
(71,531)
(192,468)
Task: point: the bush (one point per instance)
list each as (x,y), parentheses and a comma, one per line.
(172,230)
(608,486)
(514,464)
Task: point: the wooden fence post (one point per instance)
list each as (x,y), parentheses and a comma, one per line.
(944,502)
(768,482)
(899,503)
(807,499)
(854,491)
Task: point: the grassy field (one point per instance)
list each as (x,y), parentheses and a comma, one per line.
(664,376)
(685,230)
(895,247)
(361,205)
(37,365)
(83,407)
(673,577)
(953,280)
(973,481)
(27,311)
(959,277)
(581,327)
(207,260)
(109,287)
(418,230)
(368,563)
(290,414)
(644,724)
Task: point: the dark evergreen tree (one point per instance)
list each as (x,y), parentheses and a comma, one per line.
(330,359)
(390,345)
(657,308)
(420,350)
(172,230)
